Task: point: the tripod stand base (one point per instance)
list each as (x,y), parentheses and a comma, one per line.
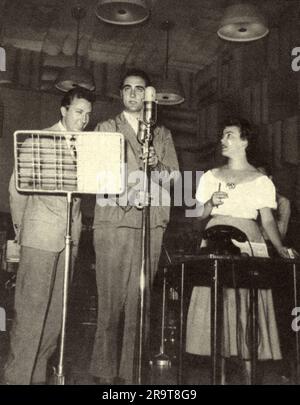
(161,370)
(58,379)
(161,361)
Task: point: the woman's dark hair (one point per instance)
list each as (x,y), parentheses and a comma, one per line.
(135,72)
(77,92)
(246,133)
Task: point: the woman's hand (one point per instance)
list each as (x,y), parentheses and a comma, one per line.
(294,252)
(217,198)
(283,251)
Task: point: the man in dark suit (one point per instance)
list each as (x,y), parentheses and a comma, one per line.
(40,222)
(118,236)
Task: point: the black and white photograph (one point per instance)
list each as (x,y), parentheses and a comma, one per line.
(149,195)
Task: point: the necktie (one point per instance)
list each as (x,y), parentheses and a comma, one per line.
(72,145)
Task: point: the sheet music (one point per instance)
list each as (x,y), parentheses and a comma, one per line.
(98,163)
(255,249)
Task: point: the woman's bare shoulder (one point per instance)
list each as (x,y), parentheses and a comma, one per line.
(218,170)
(255,173)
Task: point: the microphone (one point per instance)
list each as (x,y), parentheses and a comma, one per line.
(150,111)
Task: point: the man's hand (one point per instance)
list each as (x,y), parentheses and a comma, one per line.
(152,159)
(17,229)
(139,199)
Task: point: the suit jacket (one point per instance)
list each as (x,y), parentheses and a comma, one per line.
(165,150)
(42,218)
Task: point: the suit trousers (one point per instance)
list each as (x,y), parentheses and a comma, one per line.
(38,311)
(118,265)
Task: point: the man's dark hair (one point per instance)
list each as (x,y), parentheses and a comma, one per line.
(135,72)
(246,133)
(77,92)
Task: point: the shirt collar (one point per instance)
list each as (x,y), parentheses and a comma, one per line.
(61,126)
(133,121)
(67,137)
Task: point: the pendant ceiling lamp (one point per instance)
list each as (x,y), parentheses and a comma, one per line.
(75,76)
(122,12)
(242,23)
(168,91)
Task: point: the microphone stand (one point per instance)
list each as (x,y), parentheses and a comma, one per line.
(144,272)
(145,275)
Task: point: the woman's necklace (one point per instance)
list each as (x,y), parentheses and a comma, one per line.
(234,178)
(230,185)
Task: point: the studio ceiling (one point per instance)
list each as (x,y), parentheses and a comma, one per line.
(47,26)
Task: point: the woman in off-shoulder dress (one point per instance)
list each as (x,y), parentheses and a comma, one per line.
(235,194)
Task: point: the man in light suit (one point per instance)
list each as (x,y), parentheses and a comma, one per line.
(40,221)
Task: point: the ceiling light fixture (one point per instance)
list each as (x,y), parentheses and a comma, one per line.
(168,91)
(75,76)
(242,23)
(122,12)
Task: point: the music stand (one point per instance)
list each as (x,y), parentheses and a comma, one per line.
(46,162)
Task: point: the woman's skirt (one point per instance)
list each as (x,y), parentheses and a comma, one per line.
(236,307)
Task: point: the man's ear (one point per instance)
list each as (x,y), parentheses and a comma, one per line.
(63,111)
(121,95)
